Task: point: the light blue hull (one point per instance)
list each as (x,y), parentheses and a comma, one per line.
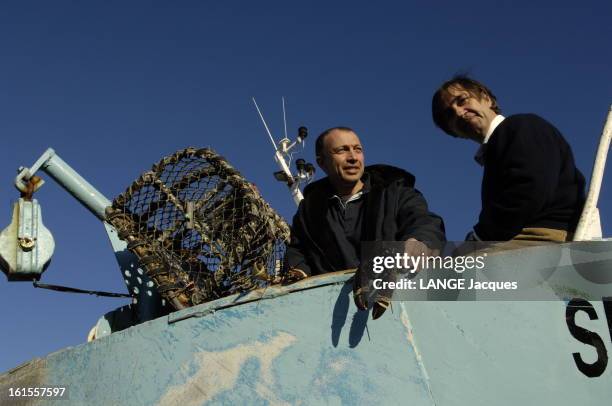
(307,344)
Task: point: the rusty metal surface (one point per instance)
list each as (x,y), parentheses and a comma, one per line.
(32,374)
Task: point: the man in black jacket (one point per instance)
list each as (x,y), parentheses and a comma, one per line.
(354,203)
(531,189)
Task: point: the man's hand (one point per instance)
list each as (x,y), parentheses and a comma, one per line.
(415,248)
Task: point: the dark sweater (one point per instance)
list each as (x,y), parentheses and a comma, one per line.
(530,180)
(392,211)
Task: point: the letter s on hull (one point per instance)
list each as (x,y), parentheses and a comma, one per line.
(587,337)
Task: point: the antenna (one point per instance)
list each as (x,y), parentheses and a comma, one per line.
(284,117)
(265,125)
(283,154)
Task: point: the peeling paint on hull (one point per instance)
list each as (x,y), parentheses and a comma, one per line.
(308,344)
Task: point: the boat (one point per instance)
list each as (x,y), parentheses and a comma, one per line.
(307,343)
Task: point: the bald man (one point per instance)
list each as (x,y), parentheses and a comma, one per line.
(354,203)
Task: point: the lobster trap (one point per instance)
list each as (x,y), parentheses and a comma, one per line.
(200,230)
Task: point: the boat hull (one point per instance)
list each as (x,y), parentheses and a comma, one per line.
(307,343)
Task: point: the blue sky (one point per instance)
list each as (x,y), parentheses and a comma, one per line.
(113,86)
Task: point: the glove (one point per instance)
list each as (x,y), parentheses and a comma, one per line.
(293,275)
(360,293)
(380,306)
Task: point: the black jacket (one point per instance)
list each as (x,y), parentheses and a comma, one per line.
(394,211)
(530,180)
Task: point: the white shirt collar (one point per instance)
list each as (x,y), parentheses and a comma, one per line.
(494,123)
(354,197)
(479,157)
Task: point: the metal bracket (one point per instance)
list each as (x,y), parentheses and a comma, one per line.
(25,174)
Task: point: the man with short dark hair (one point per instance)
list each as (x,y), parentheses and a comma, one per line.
(354,203)
(531,188)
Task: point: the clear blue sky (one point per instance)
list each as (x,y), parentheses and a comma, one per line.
(114,85)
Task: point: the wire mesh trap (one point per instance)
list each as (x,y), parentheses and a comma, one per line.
(200,230)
